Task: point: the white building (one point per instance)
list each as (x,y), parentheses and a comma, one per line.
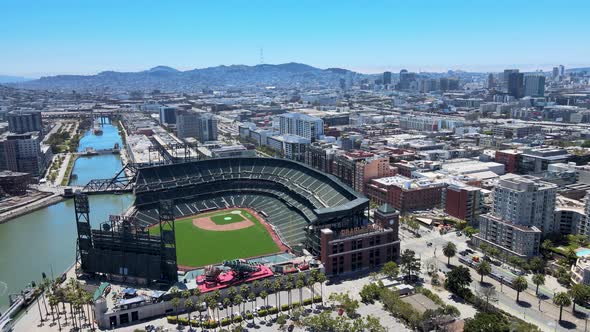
(302,125)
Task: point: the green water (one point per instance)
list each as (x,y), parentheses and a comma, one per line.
(45,240)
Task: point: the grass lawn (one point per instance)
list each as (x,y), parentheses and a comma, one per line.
(226,218)
(198,247)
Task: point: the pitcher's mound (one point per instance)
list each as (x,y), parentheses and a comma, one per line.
(207,224)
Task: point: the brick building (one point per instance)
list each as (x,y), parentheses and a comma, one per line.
(406,194)
(509,158)
(355,249)
(463,202)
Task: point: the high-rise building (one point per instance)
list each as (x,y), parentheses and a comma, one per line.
(406,79)
(522,210)
(555,74)
(514,83)
(302,125)
(187,124)
(561,70)
(168,115)
(23,153)
(21,122)
(534,85)
(387,78)
(206,127)
(491,81)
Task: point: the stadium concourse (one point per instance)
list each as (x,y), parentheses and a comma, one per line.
(295,199)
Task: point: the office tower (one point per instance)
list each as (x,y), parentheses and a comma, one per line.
(555,74)
(302,125)
(187,124)
(387,78)
(491,81)
(23,153)
(522,210)
(21,122)
(561,70)
(167,115)
(534,85)
(405,79)
(514,83)
(207,127)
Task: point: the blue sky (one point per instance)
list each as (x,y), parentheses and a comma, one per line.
(84,37)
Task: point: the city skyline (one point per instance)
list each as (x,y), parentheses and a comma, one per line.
(65,38)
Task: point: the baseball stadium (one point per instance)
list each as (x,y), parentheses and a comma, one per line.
(231,208)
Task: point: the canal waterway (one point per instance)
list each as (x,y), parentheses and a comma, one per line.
(45,240)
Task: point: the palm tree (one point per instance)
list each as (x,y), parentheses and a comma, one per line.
(538,279)
(197,295)
(52,299)
(251,298)
(238,299)
(175,304)
(227,304)
(244,291)
(264,297)
(88,300)
(276,288)
(449,250)
(288,288)
(256,287)
(189,306)
(520,284)
(212,304)
(44,286)
(300,284)
(311,284)
(321,278)
(70,298)
(217,298)
(579,293)
(561,299)
(484,268)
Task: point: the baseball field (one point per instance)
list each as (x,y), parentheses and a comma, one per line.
(213,237)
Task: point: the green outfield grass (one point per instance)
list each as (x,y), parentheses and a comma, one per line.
(198,247)
(227,218)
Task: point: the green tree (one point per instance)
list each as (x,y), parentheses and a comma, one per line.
(537,265)
(538,280)
(311,285)
(580,294)
(409,262)
(486,322)
(276,288)
(520,284)
(175,304)
(348,305)
(252,298)
(457,279)
(449,250)
(483,269)
(321,278)
(561,299)
(189,306)
(300,284)
(390,270)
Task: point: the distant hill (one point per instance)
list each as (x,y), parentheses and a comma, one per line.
(169,79)
(12,79)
